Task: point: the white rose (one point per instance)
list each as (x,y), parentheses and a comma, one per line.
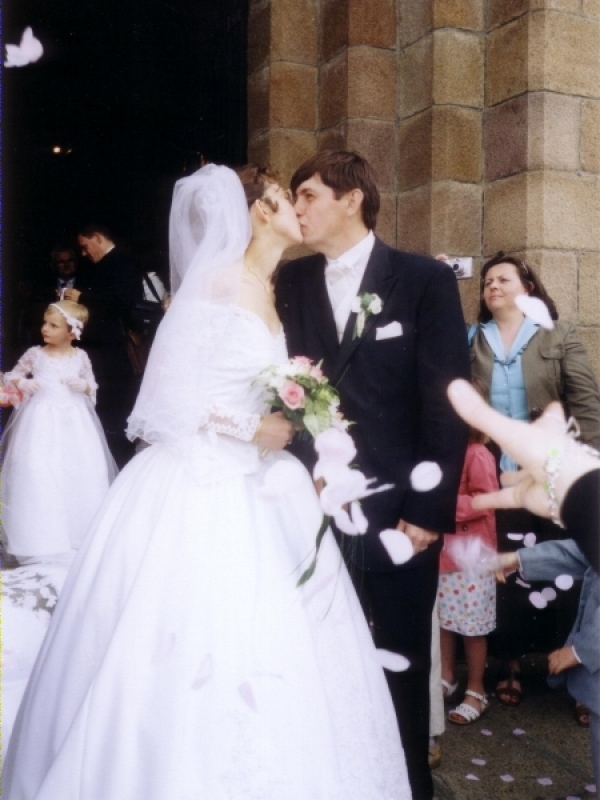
(375,305)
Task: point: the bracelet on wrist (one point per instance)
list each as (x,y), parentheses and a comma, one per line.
(257,431)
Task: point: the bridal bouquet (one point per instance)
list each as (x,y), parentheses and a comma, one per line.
(9,395)
(300,390)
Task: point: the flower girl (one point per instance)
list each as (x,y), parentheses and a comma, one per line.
(56,463)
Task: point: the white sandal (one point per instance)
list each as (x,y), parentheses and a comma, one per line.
(450,689)
(466,712)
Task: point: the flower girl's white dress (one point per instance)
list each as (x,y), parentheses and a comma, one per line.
(182,662)
(56,464)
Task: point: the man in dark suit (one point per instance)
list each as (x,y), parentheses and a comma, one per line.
(109,290)
(392,377)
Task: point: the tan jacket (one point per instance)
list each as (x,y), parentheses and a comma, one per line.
(555,367)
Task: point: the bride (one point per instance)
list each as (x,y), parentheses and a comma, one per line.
(182,662)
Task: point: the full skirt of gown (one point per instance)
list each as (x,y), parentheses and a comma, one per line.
(183,662)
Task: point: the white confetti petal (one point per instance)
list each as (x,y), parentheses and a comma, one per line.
(549,593)
(204,673)
(247,694)
(506,778)
(486,732)
(479,761)
(516,537)
(591,788)
(564,582)
(518,732)
(471,777)
(397,544)
(535,309)
(538,600)
(529,539)
(425,476)
(523,583)
(545,781)
(358,517)
(393,662)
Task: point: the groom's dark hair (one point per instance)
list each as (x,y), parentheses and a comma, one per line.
(343,171)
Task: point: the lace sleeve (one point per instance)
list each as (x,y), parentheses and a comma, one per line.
(240,425)
(87,374)
(23,367)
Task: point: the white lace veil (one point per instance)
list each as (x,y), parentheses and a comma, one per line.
(209,231)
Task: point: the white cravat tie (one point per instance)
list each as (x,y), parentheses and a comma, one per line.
(340,278)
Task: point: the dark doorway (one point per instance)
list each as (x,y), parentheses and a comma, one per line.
(126,97)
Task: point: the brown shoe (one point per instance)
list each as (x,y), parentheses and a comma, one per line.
(435,755)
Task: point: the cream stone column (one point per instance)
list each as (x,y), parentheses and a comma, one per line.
(357,90)
(542,148)
(440,103)
(282,82)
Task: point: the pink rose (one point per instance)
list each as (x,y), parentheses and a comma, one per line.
(292,395)
(301,361)
(316,373)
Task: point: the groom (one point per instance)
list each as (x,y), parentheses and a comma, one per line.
(392,378)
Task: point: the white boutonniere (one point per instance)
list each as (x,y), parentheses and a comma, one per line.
(364,305)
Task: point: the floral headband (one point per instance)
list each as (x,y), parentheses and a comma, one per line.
(76,325)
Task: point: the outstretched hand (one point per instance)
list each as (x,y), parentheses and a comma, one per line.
(529,445)
(79,385)
(27,386)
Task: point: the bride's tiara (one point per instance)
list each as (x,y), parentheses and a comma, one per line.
(76,325)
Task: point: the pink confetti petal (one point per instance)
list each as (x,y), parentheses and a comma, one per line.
(529,539)
(564,582)
(479,761)
(535,309)
(393,662)
(471,777)
(486,732)
(425,476)
(545,781)
(518,732)
(247,695)
(536,599)
(204,673)
(549,593)
(516,537)
(398,545)
(591,788)
(506,778)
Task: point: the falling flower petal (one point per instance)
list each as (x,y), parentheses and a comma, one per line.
(425,476)
(506,778)
(247,694)
(486,732)
(538,600)
(545,781)
(471,777)
(280,479)
(529,539)
(591,788)
(518,732)
(29,50)
(358,517)
(393,662)
(564,582)
(523,583)
(397,544)
(479,761)
(549,594)
(204,673)
(472,555)
(535,309)
(516,537)
(344,523)
(335,445)
(343,486)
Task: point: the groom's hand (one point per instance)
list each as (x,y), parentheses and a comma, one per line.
(421,538)
(275,432)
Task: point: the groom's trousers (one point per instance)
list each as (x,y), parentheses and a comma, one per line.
(399,608)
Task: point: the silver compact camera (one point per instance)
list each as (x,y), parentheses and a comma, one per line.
(461,266)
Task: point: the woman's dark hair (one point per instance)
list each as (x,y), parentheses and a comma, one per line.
(530,281)
(343,171)
(255,180)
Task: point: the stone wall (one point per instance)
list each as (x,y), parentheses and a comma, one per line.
(481,117)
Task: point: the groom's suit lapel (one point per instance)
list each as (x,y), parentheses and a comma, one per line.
(379,279)
(320,308)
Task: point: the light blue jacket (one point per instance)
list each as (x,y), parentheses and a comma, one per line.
(546,561)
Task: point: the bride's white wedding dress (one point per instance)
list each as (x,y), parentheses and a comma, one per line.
(182,661)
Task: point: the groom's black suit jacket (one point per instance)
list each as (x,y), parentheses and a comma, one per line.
(393,389)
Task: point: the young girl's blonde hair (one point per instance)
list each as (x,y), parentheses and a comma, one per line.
(72,309)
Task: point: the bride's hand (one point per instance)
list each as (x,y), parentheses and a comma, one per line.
(275,432)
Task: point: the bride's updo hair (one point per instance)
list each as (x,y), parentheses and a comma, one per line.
(255,180)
